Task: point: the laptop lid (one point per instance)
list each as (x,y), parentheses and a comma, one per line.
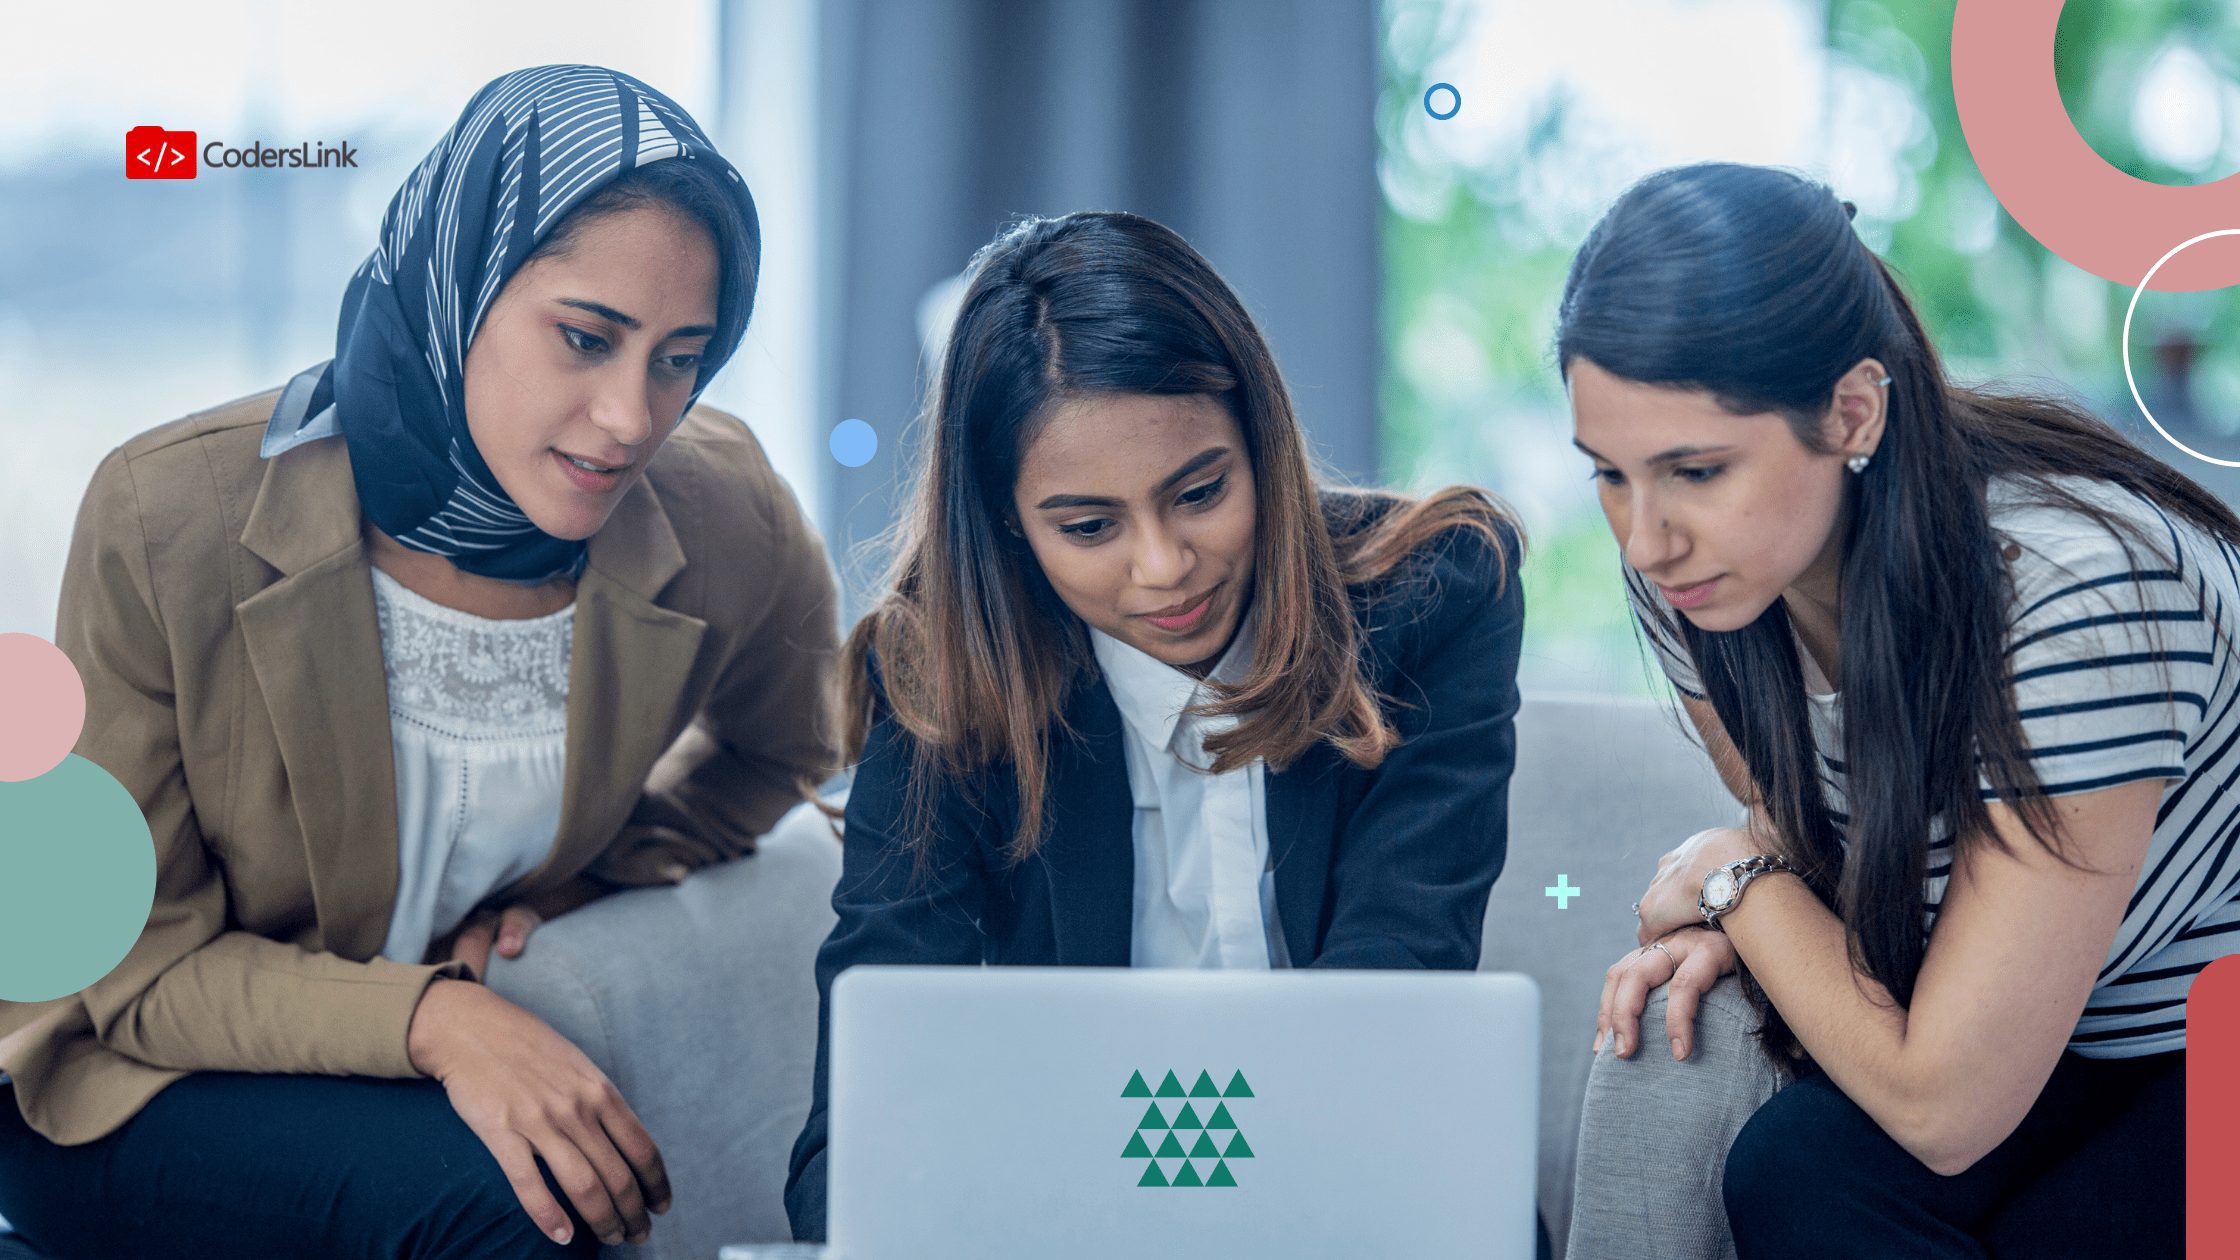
(1111,1112)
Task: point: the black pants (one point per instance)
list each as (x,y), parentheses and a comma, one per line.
(2097,1168)
(227,1165)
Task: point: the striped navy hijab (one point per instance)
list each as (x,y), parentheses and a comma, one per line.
(529,147)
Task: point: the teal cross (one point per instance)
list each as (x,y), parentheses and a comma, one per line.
(1563,890)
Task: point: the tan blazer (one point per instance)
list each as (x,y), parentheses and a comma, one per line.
(220,609)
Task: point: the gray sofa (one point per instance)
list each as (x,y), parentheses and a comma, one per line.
(699,1000)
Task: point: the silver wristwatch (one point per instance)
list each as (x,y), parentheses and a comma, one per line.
(1722,888)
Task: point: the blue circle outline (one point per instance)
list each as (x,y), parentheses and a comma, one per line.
(1457,93)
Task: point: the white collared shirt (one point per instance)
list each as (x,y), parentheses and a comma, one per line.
(1204,896)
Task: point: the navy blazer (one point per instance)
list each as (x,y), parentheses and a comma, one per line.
(1382,868)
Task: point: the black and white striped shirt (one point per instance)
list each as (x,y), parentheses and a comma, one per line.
(2122,658)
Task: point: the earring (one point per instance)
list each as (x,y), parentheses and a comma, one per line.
(1884,381)
(1857,463)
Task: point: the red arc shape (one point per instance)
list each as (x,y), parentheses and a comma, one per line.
(2057,188)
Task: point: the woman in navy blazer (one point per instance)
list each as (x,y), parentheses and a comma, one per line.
(1118,498)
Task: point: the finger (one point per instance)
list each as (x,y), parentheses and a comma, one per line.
(514,927)
(473,949)
(577,1179)
(1606,1020)
(1609,992)
(1682,996)
(518,1160)
(1633,994)
(614,1173)
(630,1137)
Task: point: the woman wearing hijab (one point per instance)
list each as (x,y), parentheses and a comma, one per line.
(387,658)
(1141,693)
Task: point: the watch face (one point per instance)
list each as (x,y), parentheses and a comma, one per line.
(1719,889)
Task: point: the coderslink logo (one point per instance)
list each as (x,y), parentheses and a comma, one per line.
(155,153)
(304,155)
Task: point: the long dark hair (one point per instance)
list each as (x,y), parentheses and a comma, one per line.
(1750,284)
(976,652)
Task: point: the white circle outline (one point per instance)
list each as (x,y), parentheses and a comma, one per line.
(2129,380)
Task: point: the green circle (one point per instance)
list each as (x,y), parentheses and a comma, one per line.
(77,878)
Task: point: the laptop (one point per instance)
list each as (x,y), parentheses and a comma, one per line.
(996,1112)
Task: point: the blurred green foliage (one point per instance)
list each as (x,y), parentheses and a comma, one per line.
(1475,254)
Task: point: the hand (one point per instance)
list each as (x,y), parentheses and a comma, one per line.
(1698,956)
(528,1092)
(508,930)
(1671,902)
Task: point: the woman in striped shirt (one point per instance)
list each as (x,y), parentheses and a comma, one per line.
(1968,659)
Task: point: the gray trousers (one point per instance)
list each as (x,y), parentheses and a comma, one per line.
(1653,1135)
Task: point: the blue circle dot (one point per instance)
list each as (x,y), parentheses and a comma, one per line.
(1451,91)
(854,443)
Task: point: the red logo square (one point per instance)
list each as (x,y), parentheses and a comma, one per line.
(154,153)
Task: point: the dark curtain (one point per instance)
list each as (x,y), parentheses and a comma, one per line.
(1245,125)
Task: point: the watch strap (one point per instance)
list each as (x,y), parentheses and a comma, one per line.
(1744,871)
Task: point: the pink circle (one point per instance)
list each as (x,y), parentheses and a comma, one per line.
(2057,188)
(42,707)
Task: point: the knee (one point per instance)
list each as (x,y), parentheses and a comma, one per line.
(1728,1006)
(1681,1109)
(1724,1034)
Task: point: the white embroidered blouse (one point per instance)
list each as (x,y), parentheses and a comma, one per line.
(478,721)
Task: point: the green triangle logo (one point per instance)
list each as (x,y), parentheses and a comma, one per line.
(1205,1149)
(1204,1087)
(1136,1088)
(1138,1150)
(1170,1087)
(1238,1149)
(1152,1176)
(1188,1176)
(1237,1087)
(1221,1118)
(1186,1118)
(1152,1119)
(1221,1175)
(1172,1149)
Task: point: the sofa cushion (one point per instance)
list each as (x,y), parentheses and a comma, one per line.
(1603,788)
(699,1000)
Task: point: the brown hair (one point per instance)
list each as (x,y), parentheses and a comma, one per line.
(976,653)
